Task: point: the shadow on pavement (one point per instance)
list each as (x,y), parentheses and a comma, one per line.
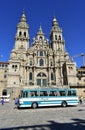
(78,124)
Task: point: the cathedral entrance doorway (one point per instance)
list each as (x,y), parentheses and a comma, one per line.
(42,80)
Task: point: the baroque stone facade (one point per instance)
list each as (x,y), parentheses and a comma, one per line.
(44,63)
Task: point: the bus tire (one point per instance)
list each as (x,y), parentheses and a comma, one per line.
(64,104)
(34,105)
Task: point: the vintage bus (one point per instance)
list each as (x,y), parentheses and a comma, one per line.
(47,97)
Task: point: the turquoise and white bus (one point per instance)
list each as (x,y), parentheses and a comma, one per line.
(47,97)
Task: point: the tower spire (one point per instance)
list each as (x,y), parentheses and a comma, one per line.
(22,35)
(23,17)
(40,31)
(54,22)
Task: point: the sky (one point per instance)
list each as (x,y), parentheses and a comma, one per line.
(70,15)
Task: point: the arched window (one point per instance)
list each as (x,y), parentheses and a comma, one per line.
(52,77)
(41,79)
(16,66)
(30,63)
(51,63)
(55,37)
(41,75)
(59,37)
(4,92)
(25,34)
(41,53)
(41,62)
(30,76)
(13,66)
(40,39)
(20,33)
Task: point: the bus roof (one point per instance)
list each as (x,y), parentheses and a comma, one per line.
(46,89)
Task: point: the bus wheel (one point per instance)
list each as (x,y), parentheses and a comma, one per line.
(34,105)
(64,104)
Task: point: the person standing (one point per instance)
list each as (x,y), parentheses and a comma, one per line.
(2,101)
(81,100)
(16,102)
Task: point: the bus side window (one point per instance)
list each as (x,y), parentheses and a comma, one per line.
(33,93)
(50,94)
(62,93)
(71,93)
(36,93)
(43,93)
(53,93)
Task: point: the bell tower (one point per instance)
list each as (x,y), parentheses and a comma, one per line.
(57,42)
(22,35)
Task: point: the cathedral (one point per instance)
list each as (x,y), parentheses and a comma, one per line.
(43,63)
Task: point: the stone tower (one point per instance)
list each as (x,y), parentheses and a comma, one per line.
(18,56)
(57,41)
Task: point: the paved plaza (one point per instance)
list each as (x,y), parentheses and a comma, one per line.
(53,118)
